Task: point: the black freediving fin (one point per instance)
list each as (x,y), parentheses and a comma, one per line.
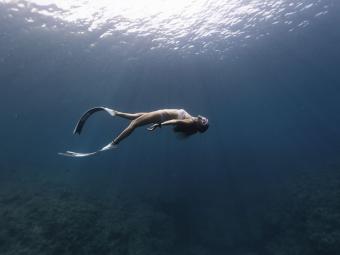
(86,115)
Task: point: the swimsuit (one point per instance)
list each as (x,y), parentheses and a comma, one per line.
(182,114)
(163,118)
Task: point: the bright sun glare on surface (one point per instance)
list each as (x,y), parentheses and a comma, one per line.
(188,25)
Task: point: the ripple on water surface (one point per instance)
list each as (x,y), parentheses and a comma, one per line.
(188,26)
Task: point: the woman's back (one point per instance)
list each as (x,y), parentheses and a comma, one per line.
(168,114)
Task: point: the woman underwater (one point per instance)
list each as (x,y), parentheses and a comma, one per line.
(182,121)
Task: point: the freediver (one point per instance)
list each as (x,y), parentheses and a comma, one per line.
(182,121)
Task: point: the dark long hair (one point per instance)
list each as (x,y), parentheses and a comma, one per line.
(185,130)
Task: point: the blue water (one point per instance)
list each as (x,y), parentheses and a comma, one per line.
(264,179)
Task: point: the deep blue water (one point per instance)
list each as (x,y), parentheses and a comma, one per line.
(264,179)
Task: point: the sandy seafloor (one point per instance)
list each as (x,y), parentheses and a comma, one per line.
(264,179)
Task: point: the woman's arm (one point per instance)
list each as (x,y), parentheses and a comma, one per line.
(175,122)
(169,122)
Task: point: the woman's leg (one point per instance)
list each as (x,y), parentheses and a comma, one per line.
(144,119)
(130,116)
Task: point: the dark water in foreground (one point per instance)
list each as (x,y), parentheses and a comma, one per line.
(264,179)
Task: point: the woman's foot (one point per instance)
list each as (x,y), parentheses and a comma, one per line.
(109,147)
(110,111)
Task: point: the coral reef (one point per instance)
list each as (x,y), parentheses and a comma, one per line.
(56,221)
(48,218)
(308,219)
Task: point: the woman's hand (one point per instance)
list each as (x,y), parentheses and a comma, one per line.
(154,126)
